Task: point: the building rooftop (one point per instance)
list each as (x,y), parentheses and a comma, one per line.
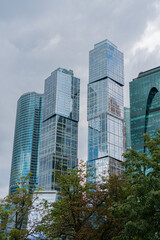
(148,72)
(70,72)
(33,92)
(106,41)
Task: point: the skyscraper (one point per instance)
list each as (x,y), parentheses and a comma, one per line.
(59,135)
(105,109)
(144,106)
(26,139)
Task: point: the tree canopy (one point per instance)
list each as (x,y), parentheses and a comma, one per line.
(141,208)
(81,210)
(15,209)
(123,207)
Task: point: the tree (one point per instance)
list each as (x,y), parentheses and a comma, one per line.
(4,214)
(121,207)
(141,208)
(84,208)
(70,217)
(17,206)
(109,223)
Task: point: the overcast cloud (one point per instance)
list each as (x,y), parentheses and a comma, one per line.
(38,36)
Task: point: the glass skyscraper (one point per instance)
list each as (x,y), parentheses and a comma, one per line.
(105,111)
(26,139)
(59,135)
(144,107)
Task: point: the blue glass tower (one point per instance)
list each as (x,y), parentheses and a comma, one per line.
(26,139)
(105,109)
(59,135)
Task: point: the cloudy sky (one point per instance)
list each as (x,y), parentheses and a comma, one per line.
(38,36)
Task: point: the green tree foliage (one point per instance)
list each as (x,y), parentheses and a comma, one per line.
(4,214)
(20,203)
(125,207)
(69,218)
(16,234)
(141,208)
(83,210)
(109,223)
(119,208)
(16,207)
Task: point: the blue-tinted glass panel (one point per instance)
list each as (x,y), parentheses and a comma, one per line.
(105,110)
(59,137)
(27,139)
(62,92)
(105,60)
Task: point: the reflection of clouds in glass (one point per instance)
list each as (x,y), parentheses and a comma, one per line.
(59,137)
(105,108)
(106,61)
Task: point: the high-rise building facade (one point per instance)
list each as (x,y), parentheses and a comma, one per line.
(105,111)
(127,128)
(26,139)
(144,106)
(59,135)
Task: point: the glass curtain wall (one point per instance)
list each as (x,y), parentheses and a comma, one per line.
(26,139)
(59,136)
(144,107)
(105,111)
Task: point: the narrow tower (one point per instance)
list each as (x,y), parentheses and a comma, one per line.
(59,136)
(105,109)
(26,139)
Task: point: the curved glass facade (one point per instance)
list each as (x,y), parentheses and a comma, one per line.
(59,135)
(105,111)
(26,139)
(144,107)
